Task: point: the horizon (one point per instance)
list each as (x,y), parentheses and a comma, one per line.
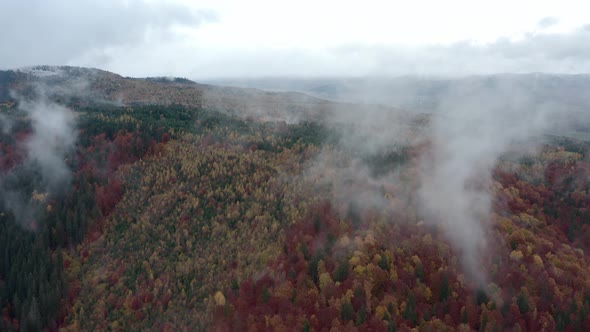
(307,78)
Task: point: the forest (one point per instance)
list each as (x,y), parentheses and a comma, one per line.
(179,218)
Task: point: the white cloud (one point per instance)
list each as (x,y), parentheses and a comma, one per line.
(229,38)
(57,32)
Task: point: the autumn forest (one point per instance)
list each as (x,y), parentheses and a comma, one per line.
(187,217)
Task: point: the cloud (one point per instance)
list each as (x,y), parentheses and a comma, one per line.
(5,123)
(56,32)
(548,47)
(535,52)
(478,126)
(548,21)
(479,120)
(163,38)
(52,139)
(54,136)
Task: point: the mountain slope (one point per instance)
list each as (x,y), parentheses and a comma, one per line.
(84,85)
(177,215)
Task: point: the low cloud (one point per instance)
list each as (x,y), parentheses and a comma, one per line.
(477,122)
(478,126)
(25,188)
(53,137)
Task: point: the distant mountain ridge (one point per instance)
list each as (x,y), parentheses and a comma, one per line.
(423,93)
(293,100)
(556,93)
(412,93)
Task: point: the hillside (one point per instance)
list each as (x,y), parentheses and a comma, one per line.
(427,93)
(154,204)
(431,94)
(85,85)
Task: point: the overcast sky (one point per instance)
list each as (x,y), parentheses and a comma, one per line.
(311,38)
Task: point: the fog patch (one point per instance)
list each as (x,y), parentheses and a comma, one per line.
(25,189)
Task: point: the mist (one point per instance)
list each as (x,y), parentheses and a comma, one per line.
(473,127)
(476,128)
(228,165)
(52,138)
(5,123)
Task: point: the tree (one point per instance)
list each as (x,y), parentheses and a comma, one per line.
(445,290)
(523,303)
(410,312)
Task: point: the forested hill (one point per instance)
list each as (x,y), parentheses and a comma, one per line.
(86,86)
(150,204)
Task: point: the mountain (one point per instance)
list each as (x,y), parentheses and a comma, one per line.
(429,94)
(435,95)
(164,204)
(86,85)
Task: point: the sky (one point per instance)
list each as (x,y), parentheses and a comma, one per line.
(213,39)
